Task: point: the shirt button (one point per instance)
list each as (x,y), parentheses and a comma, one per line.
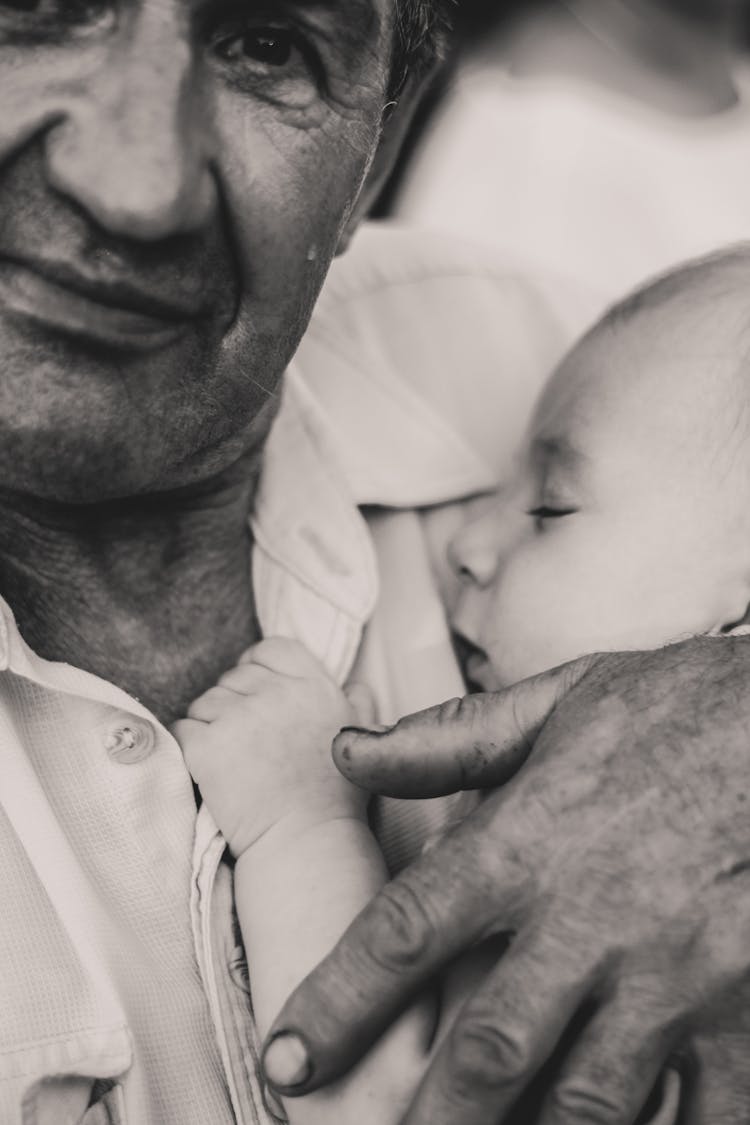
(130,741)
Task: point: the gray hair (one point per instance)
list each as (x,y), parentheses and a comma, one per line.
(420,34)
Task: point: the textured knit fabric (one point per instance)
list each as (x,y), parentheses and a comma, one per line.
(123,990)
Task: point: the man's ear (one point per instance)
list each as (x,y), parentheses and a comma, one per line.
(397,117)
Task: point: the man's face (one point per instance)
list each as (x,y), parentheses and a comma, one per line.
(174,178)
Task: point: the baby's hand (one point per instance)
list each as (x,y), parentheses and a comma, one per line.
(258,745)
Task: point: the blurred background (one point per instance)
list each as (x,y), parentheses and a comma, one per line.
(592,142)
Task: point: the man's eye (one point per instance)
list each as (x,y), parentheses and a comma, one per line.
(546,512)
(270,47)
(277,63)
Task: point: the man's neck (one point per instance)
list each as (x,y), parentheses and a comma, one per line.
(151,593)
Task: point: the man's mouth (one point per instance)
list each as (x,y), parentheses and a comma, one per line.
(105,312)
(475,665)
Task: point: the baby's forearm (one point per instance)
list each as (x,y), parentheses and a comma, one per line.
(296,893)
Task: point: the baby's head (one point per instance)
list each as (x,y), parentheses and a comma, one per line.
(627,523)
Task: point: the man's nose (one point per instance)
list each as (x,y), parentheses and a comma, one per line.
(134,151)
(475,552)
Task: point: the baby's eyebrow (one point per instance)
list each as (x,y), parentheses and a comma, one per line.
(558,449)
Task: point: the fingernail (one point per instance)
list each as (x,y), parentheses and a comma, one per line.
(286,1062)
(379,728)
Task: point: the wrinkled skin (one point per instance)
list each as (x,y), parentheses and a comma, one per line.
(619,857)
(175,178)
(206,155)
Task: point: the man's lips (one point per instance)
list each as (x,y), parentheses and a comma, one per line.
(105,311)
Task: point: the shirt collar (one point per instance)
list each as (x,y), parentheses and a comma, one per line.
(399,319)
(306,518)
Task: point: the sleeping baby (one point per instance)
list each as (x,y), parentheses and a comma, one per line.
(626,525)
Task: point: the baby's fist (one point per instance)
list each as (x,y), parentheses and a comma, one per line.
(258,744)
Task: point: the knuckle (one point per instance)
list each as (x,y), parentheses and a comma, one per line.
(485,1055)
(576,670)
(446,713)
(523,732)
(401,932)
(578,1101)
(238,677)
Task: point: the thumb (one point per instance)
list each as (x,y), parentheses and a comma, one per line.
(477,742)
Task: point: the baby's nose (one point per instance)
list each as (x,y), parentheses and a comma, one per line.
(473,552)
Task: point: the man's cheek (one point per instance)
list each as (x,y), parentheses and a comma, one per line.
(287,203)
(45,87)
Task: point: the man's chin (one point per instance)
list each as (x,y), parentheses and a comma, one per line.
(80,418)
(81,422)
(73,427)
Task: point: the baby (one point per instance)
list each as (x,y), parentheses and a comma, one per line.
(627,522)
(626,525)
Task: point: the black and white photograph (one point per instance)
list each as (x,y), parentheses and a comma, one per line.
(374,562)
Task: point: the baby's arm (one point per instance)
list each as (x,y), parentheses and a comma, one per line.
(258,745)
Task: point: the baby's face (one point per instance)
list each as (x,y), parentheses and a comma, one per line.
(623,525)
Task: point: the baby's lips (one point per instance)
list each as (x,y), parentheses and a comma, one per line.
(474,663)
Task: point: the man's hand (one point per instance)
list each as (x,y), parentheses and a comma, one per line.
(619,856)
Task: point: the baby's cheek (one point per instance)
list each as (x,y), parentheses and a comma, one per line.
(533,623)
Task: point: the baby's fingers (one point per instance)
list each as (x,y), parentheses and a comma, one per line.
(283,656)
(213,703)
(247,679)
(191,736)
(362,703)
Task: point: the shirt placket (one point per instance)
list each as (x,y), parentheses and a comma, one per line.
(221,956)
(302,558)
(100,804)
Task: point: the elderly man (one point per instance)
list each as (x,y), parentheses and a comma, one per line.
(175,180)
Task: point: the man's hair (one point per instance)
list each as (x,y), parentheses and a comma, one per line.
(420,35)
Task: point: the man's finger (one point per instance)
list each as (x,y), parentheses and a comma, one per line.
(477,742)
(503,1034)
(613,1068)
(416,924)
(719,1093)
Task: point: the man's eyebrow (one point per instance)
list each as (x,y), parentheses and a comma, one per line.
(357,21)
